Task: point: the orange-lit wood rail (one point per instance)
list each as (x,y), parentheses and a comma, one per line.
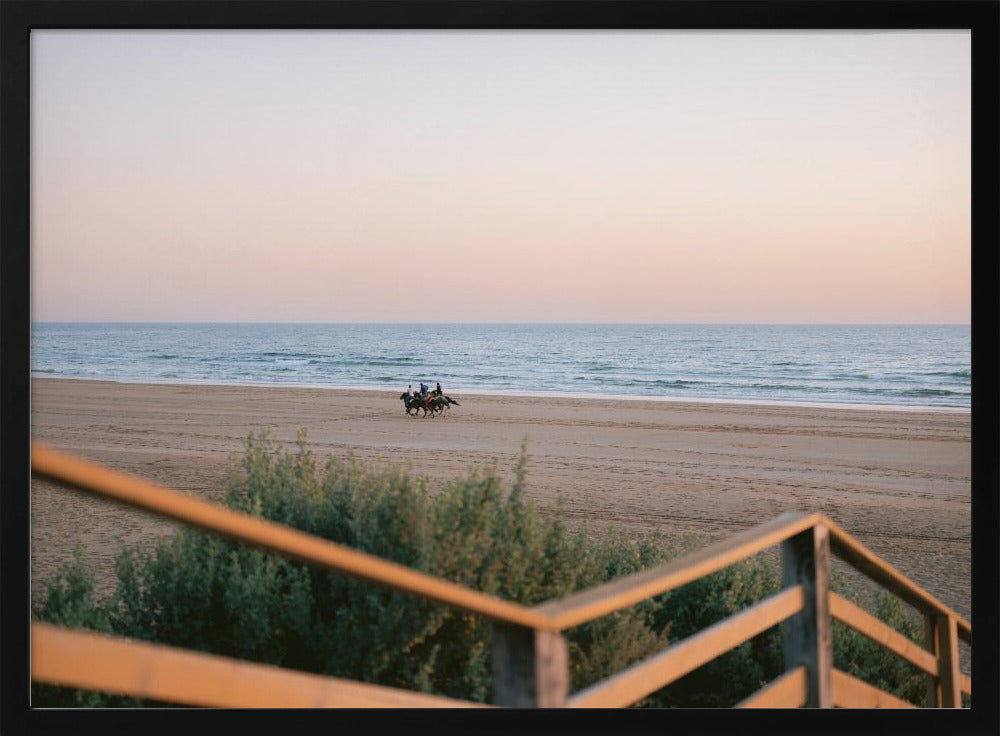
(587,605)
(530,669)
(850,692)
(788,691)
(863,622)
(72,471)
(173,675)
(579,608)
(676,661)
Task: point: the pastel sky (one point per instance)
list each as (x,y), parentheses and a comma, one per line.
(645,176)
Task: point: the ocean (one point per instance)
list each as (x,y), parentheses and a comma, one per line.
(881,365)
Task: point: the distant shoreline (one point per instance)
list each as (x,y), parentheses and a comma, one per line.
(694,401)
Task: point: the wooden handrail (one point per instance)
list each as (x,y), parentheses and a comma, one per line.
(172,675)
(679,659)
(95,478)
(860,558)
(863,622)
(788,691)
(850,692)
(587,605)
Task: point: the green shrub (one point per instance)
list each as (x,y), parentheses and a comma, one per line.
(861,657)
(735,675)
(70,602)
(200,592)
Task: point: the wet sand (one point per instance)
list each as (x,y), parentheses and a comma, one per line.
(899,481)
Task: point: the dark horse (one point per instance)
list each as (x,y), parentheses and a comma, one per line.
(412,403)
(429,403)
(415,403)
(443,401)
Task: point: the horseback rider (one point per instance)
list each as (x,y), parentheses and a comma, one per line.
(433,402)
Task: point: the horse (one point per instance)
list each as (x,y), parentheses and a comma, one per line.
(447,399)
(412,403)
(417,402)
(436,404)
(430,403)
(445,402)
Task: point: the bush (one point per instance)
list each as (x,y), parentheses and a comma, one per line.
(739,673)
(197,591)
(861,657)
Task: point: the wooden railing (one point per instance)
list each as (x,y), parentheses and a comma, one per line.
(530,656)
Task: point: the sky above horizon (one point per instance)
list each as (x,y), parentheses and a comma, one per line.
(632,176)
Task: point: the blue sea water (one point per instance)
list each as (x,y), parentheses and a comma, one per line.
(888,365)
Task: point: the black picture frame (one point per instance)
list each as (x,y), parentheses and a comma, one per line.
(18,18)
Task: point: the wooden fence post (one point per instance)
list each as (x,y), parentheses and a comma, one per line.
(949,677)
(530,668)
(931,643)
(807,637)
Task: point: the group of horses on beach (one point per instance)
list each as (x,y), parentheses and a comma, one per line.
(433,403)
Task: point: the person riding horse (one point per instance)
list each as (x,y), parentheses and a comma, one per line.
(434,402)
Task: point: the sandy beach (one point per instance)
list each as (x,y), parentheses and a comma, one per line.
(900,481)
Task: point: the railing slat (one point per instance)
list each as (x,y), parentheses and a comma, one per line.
(949,676)
(788,691)
(858,556)
(864,623)
(110,664)
(850,692)
(95,478)
(618,594)
(676,661)
(933,697)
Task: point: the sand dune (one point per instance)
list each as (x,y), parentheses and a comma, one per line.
(900,481)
